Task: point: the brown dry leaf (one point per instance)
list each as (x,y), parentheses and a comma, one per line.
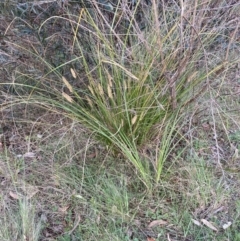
(159,222)
(14,195)
(93,155)
(32,193)
(208,224)
(98,219)
(206,126)
(134,119)
(227,225)
(196,222)
(63,209)
(28,189)
(39,136)
(29,154)
(150,239)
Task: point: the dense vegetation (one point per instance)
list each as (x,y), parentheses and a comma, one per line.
(119,120)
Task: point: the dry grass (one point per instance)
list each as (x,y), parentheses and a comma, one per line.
(59,183)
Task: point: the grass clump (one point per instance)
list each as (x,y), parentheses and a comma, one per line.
(132,82)
(143,81)
(19,223)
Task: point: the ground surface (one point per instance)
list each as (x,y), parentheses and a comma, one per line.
(58,183)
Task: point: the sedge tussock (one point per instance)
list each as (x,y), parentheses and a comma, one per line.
(157,70)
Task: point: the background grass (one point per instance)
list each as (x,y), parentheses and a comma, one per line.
(115,117)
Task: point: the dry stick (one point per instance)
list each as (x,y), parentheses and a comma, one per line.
(136,28)
(43,2)
(181,24)
(172,80)
(231,40)
(77,27)
(156,16)
(172,88)
(110,27)
(211,102)
(76,224)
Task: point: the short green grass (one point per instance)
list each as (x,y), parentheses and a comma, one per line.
(89,196)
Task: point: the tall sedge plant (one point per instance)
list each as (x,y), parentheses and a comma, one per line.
(135,79)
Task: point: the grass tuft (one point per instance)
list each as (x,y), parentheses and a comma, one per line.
(134,80)
(119,121)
